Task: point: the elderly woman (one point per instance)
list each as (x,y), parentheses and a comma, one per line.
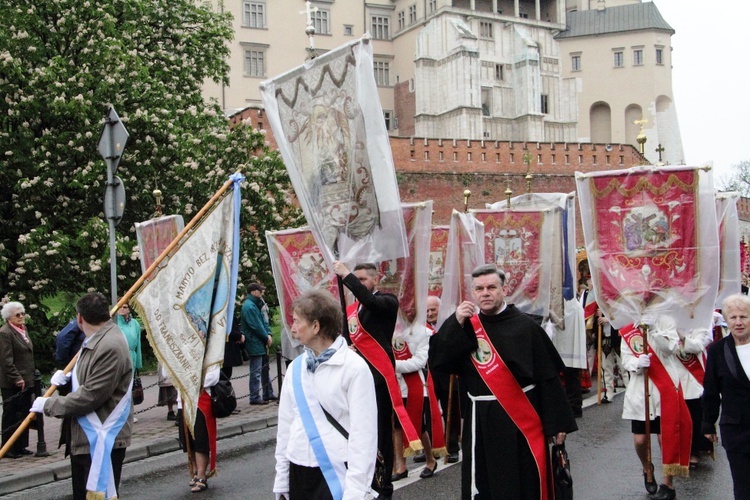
(727,385)
(16,375)
(326,442)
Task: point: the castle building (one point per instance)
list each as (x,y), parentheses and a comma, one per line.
(551,71)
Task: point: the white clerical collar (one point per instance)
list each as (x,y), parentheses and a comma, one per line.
(503,308)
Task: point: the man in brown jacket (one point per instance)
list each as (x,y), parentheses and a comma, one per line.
(100,404)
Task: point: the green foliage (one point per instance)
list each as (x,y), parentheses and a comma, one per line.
(62,64)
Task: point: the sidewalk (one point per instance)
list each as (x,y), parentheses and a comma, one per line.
(153,434)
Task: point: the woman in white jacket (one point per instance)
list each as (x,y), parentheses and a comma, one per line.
(326,440)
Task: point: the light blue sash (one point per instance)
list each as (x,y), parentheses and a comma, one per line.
(101,438)
(332,473)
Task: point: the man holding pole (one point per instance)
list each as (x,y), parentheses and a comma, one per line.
(518,404)
(100,403)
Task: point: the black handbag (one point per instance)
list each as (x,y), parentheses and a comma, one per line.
(561,473)
(137,389)
(223,400)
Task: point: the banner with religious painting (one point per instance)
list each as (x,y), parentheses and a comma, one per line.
(155,235)
(563,316)
(298,267)
(438,248)
(729,245)
(652,242)
(329,126)
(406,277)
(465,251)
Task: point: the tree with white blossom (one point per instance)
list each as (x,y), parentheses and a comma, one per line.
(62,64)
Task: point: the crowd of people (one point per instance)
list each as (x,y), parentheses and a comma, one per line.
(356,404)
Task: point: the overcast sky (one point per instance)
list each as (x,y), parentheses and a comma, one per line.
(711,79)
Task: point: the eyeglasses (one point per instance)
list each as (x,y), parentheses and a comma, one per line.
(19,315)
(125,307)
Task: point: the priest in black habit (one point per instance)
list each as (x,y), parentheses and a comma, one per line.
(498,461)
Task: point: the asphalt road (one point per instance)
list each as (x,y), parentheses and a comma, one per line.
(603,462)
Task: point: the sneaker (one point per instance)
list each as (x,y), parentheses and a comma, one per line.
(271,398)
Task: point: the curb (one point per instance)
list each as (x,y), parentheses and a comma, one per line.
(60,470)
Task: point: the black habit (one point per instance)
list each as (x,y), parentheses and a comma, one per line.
(504,464)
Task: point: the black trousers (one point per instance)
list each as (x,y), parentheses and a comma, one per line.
(385,438)
(80,466)
(307,483)
(739,464)
(442,388)
(572,379)
(16,405)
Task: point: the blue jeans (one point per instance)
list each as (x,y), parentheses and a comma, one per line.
(265,379)
(256,366)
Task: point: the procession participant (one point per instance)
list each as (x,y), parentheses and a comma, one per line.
(589,316)
(442,389)
(668,414)
(418,391)
(326,440)
(257,338)
(100,404)
(509,366)
(727,386)
(372,319)
(610,356)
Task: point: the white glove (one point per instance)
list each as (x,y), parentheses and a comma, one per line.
(644,361)
(38,405)
(59,378)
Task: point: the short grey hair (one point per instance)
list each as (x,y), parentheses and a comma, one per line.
(486,269)
(736,301)
(10,309)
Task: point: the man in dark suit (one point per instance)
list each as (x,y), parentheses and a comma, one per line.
(376,314)
(16,375)
(727,386)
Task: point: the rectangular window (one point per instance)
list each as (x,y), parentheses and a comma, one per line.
(523,15)
(486,101)
(545,104)
(380,27)
(412,14)
(255,62)
(638,57)
(253,15)
(320,21)
(348,30)
(388,116)
(659,56)
(401,16)
(499,73)
(575,63)
(455,156)
(485,29)
(618,59)
(567,160)
(440,155)
(382,73)
(468,156)
(432,6)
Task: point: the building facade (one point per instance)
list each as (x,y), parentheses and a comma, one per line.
(492,70)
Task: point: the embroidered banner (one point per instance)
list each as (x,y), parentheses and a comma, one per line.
(329,126)
(438,246)
(298,267)
(652,242)
(406,277)
(465,251)
(187,306)
(155,235)
(729,245)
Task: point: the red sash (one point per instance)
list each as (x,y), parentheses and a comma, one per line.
(676,424)
(377,357)
(505,388)
(590,309)
(436,420)
(204,405)
(694,366)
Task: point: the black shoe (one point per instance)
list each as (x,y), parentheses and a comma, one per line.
(171,415)
(26,452)
(398,476)
(665,493)
(420,458)
(651,486)
(427,472)
(258,402)
(605,400)
(10,454)
(453,458)
(272,398)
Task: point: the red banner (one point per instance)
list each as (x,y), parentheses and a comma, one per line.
(399,276)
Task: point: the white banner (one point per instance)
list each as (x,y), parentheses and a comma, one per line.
(729,245)
(329,126)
